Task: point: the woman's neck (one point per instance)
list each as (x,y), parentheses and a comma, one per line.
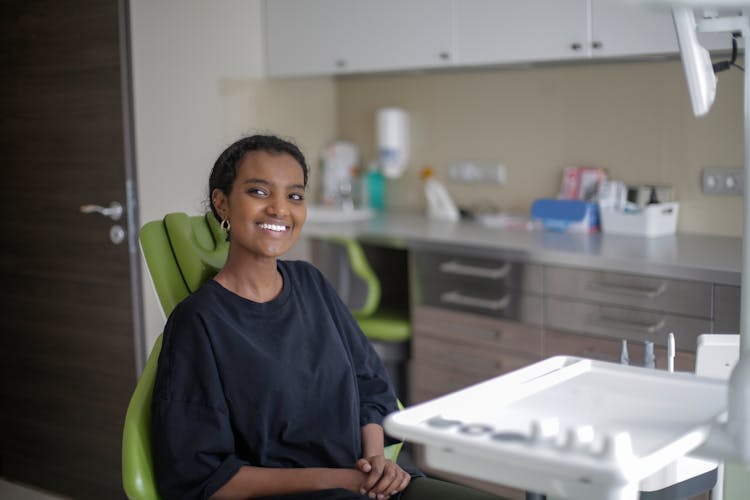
(258,280)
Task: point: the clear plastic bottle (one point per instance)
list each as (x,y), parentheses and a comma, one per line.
(439,203)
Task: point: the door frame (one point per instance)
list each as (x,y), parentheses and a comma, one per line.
(131,191)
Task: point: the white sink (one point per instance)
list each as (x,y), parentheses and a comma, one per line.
(318,213)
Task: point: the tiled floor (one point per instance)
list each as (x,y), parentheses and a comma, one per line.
(14,491)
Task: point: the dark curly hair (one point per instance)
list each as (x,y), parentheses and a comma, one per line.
(225,169)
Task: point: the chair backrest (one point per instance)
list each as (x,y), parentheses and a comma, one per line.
(345,264)
(182,252)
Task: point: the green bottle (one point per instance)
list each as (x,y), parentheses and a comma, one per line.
(375,189)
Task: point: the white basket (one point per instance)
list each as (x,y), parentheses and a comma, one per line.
(653,220)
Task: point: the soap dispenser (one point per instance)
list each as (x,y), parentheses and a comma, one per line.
(439,203)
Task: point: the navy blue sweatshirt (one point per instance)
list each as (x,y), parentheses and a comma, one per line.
(285,383)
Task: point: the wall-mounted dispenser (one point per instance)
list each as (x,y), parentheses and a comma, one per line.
(392,135)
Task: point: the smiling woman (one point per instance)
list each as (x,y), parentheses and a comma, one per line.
(266,386)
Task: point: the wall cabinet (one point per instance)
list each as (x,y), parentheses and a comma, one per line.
(327,37)
(491,32)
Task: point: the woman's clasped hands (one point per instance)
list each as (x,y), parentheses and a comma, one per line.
(383,477)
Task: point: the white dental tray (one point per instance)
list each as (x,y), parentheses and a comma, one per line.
(566,427)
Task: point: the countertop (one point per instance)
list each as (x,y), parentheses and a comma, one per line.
(684,256)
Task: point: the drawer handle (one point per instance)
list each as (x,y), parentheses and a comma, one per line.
(630,325)
(465,300)
(494,273)
(648,293)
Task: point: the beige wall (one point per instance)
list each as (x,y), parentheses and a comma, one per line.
(632,118)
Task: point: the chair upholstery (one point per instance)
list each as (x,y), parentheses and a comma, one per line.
(137,463)
(181,253)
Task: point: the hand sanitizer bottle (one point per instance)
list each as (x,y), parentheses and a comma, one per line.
(439,203)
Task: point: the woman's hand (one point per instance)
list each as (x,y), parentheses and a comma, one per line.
(384,478)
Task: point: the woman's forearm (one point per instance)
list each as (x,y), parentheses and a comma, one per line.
(254,482)
(372,440)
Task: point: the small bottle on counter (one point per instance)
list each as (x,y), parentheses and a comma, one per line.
(439,203)
(373,192)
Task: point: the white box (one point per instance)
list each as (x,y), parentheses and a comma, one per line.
(653,220)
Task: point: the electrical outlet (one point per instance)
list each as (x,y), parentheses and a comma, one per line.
(723,180)
(495,173)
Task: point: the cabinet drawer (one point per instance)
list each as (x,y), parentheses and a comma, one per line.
(427,381)
(726,309)
(449,270)
(623,323)
(478,331)
(557,343)
(469,360)
(692,298)
(507,305)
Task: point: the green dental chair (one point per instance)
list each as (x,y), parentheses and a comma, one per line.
(181,253)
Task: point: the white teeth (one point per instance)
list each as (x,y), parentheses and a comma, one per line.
(273,227)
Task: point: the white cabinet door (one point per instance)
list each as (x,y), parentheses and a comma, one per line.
(309,37)
(621,29)
(507,31)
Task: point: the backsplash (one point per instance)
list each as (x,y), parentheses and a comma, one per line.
(634,119)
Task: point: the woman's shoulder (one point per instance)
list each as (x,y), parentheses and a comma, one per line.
(197,306)
(200,299)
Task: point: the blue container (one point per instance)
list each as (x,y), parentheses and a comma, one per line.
(566,215)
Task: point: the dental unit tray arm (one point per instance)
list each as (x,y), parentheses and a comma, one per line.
(567,426)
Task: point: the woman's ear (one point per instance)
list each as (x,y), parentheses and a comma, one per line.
(220,202)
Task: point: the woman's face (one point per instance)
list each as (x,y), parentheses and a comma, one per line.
(266,206)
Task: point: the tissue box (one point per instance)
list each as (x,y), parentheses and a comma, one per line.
(657,219)
(566,215)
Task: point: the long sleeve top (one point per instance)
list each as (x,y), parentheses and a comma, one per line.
(285,383)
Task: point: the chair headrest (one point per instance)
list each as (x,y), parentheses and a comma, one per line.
(199,245)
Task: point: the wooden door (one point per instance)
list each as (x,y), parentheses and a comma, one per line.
(67,365)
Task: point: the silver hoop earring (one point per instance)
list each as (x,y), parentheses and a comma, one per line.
(226,225)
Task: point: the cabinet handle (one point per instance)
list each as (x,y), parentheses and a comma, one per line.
(340,63)
(466,300)
(649,328)
(576,46)
(648,293)
(596,45)
(444,56)
(456,267)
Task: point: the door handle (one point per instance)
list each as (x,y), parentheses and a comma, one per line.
(113,211)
